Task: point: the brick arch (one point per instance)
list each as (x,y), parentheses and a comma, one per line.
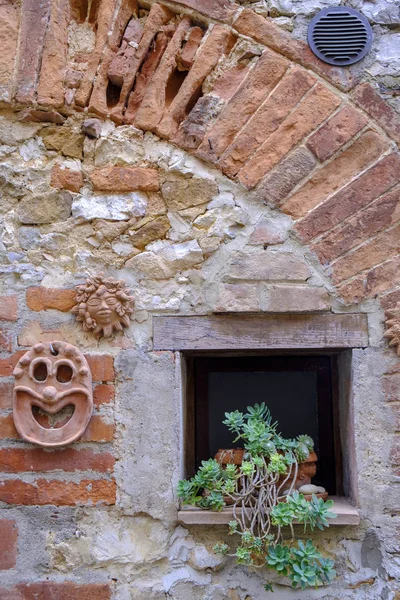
(234,89)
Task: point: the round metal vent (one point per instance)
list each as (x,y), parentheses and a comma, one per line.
(340,35)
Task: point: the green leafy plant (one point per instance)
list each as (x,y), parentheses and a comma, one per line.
(264,501)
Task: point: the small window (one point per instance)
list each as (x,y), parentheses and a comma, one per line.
(300,392)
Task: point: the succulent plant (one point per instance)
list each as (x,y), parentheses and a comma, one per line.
(261,510)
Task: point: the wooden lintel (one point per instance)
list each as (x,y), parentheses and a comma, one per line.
(261,332)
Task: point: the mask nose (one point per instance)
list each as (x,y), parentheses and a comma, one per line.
(49,394)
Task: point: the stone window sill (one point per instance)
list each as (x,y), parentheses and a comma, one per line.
(191,515)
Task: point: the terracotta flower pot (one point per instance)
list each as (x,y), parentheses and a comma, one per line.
(306,470)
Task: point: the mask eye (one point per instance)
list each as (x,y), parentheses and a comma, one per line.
(40,371)
(111,301)
(94,302)
(64,373)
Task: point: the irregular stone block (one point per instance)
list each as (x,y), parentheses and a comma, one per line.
(65,141)
(92,127)
(285,298)
(267,266)
(47,208)
(113,207)
(233,297)
(154,229)
(181,192)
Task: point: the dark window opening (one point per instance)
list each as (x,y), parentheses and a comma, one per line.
(300,392)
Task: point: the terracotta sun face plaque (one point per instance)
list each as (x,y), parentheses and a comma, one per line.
(393,327)
(103,305)
(51,379)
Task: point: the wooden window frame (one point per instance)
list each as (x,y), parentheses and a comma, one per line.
(234,334)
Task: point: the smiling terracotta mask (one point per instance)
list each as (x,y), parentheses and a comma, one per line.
(52,379)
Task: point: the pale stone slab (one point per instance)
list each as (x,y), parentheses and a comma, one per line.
(191,515)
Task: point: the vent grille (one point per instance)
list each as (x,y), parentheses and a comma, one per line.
(340,36)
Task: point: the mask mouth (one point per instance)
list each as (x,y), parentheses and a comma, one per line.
(55,420)
(51,424)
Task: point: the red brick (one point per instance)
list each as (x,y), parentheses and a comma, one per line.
(370,185)
(66,179)
(121,29)
(390,300)
(98,430)
(395,453)
(391,387)
(373,219)
(218,42)
(102,394)
(42,298)
(8,544)
(102,366)
(193,129)
(278,184)
(315,107)
(19,460)
(7,427)
(157,17)
(152,108)
(103,27)
(145,76)
(8,308)
(6,340)
(267,119)
(10,594)
(333,176)
(54,60)
(6,394)
(229,82)
(34,21)
(188,52)
(380,279)
(336,132)
(7,364)
(370,100)
(268,33)
(66,590)
(383,246)
(216,9)
(119,64)
(9,23)
(125,179)
(35,115)
(58,493)
(268,70)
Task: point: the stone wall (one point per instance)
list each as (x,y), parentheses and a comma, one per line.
(245,176)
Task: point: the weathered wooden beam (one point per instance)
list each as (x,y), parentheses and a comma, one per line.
(235,332)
